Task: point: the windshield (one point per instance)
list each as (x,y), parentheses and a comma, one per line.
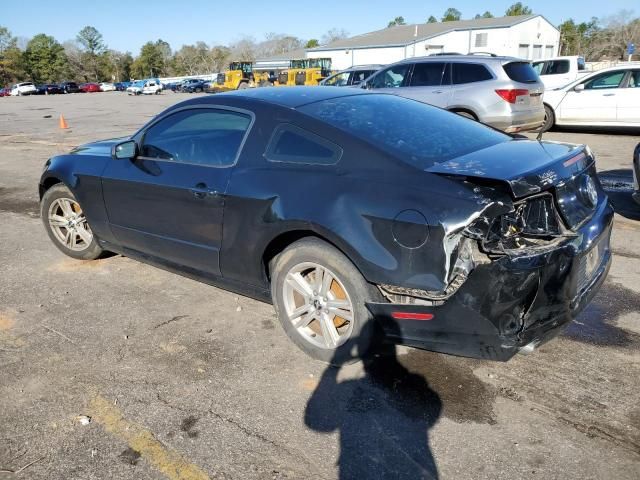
(338,80)
(417,133)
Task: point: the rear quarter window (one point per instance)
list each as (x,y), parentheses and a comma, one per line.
(291,144)
(521,72)
(469,73)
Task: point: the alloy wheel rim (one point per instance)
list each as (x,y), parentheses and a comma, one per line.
(318,305)
(69,225)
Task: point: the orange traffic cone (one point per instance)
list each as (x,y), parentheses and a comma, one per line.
(63,123)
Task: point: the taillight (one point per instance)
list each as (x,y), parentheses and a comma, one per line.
(512,94)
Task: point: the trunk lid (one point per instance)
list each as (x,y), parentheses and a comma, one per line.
(526,166)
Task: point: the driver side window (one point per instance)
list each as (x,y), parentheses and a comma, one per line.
(606,80)
(199,136)
(393,77)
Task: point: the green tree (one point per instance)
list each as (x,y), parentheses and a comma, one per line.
(312,43)
(154,60)
(451,15)
(517,9)
(396,21)
(486,14)
(45,60)
(432,19)
(11,58)
(93,50)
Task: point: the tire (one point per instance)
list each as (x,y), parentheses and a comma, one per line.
(356,330)
(549,119)
(52,205)
(243,86)
(465,114)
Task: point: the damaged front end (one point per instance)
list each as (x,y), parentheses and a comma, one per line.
(517,272)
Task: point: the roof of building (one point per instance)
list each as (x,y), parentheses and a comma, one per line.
(401,35)
(290,55)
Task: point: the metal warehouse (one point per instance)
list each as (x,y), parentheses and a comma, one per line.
(524,36)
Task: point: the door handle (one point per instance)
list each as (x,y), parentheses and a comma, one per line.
(437,91)
(608,94)
(201,191)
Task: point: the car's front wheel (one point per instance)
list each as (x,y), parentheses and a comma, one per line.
(67,225)
(549,119)
(319,297)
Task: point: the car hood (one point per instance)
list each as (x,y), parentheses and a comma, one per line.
(526,166)
(101,147)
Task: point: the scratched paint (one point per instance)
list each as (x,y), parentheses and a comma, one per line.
(141,440)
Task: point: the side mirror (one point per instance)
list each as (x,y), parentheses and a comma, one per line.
(579,87)
(127,149)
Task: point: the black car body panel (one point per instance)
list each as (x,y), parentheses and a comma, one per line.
(636,174)
(405,229)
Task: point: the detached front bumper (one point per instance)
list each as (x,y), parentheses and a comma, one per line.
(513,303)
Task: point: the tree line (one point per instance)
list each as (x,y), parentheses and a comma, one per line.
(88,58)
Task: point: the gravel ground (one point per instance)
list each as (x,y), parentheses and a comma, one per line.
(182,380)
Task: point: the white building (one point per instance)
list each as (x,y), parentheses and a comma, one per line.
(524,36)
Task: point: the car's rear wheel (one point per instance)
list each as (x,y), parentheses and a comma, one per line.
(464,113)
(549,119)
(320,297)
(67,225)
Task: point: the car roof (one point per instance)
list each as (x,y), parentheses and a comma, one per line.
(291,97)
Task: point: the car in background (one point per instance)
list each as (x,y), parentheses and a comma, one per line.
(69,87)
(636,174)
(485,245)
(49,89)
(122,86)
(24,88)
(351,76)
(5,92)
(606,98)
(107,87)
(194,86)
(558,71)
(185,84)
(135,88)
(89,87)
(503,92)
(152,87)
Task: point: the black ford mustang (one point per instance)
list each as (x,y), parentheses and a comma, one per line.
(348,209)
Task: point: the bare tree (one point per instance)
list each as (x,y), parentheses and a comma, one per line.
(333,35)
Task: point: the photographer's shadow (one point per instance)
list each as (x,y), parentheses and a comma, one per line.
(383,419)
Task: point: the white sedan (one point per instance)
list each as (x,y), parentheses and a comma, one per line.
(107,87)
(606,98)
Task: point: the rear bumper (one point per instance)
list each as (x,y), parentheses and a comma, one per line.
(512,122)
(511,304)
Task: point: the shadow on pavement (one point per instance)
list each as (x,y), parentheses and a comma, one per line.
(383,419)
(619,186)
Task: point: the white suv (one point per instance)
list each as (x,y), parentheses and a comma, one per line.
(24,88)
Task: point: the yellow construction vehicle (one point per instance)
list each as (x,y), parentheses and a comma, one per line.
(316,70)
(294,75)
(238,76)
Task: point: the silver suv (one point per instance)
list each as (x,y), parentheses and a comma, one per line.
(503,92)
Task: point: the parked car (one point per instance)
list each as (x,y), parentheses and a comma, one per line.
(48,89)
(636,174)
(351,76)
(135,88)
(69,87)
(503,92)
(185,84)
(152,87)
(24,88)
(122,86)
(107,87)
(5,92)
(559,71)
(484,246)
(194,86)
(606,98)
(89,87)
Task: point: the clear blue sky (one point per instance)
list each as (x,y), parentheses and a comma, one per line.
(182,22)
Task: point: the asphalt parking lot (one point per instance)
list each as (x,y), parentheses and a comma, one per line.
(116,369)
